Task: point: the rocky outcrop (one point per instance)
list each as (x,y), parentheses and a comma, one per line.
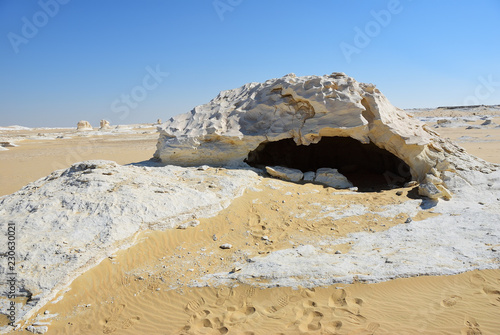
(239,123)
(72,219)
(83,126)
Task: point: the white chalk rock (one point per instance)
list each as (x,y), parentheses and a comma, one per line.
(104,124)
(306,109)
(83,126)
(37,330)
(285,173)
(72,219)
(332,178)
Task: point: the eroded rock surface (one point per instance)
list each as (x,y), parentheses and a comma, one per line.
(72,219)
(104,124)
(232,127)
(83,125)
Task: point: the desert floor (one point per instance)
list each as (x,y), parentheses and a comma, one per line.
(144,289)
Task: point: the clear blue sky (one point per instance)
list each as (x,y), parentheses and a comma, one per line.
(79,59)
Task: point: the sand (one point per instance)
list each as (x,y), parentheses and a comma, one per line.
(36,157)
(146,288)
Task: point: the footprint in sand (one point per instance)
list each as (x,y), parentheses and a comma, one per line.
(477,279)
(338,298)
(333,327)
(471,327)
(279,304)
(349,316)
(201,324)
(115,321)
(223,294)
(308,292)
(108,329)
(493,293)
(194,305)
(240,316)
(451,301)
(309,304)
(253,219)
(249,292)
(130,322)
(116,311)
(110,324)
(311,321)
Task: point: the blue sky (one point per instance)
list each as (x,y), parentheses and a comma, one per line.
(135,61)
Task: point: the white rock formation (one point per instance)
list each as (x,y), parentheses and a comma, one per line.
(332,178)
(83,126)
(104,124)
(285,173)
(70,220)
(305,109)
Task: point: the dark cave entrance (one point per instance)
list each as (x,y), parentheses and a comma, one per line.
(367,166)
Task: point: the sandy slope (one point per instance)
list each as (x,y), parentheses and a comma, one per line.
(143,290)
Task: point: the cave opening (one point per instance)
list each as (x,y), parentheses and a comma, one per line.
(367,166)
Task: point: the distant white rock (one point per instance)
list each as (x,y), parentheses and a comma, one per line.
(83,126)
(104,124)
(332,178)
(240,122)
(285,173)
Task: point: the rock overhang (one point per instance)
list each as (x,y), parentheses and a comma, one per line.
(306,109)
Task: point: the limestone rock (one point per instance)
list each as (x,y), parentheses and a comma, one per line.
(83,125)
(309,176)
(429,190)
(104,124)
(285,173)
(332,178)
(240,124)
(74,218)
(37,330)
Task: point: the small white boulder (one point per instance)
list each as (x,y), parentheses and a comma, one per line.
(285,173)
(333,178)
(37,330)
(309,175)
